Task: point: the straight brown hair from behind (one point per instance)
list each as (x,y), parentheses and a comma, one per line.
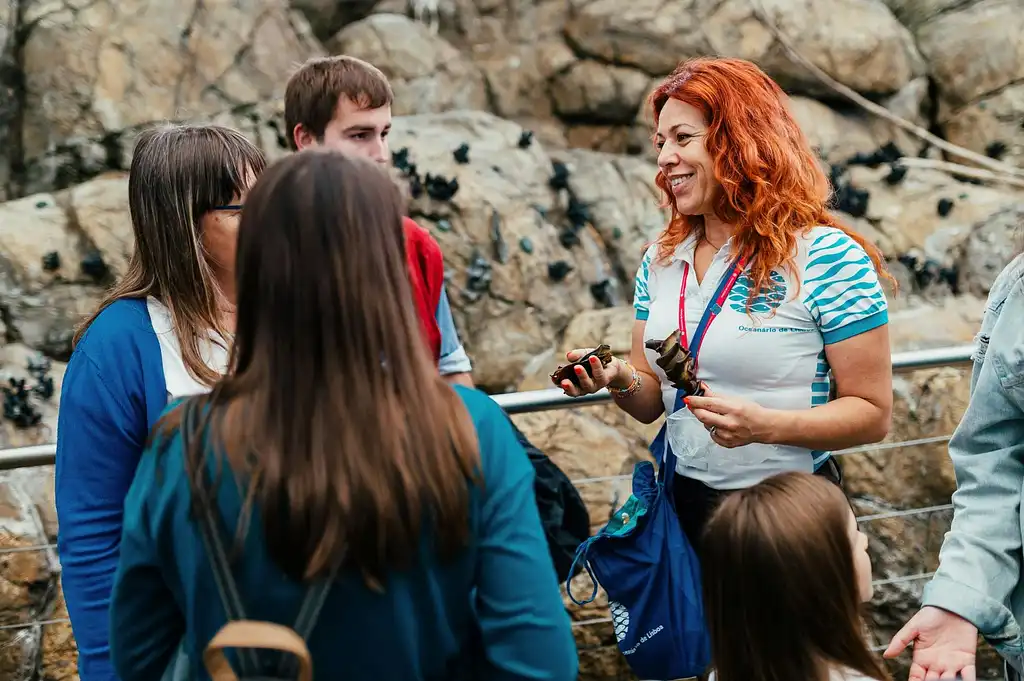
(780,585)
(314,91)
(332,415)
(178,174)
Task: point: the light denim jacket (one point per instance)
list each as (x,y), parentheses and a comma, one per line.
(979,574)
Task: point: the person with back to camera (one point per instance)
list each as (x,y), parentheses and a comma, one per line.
(801,305)
(334,454)
(977,587)
(786,574)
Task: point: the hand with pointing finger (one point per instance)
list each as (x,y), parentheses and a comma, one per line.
(732,421)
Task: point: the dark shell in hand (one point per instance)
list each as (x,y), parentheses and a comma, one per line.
(677,363)
(567,372)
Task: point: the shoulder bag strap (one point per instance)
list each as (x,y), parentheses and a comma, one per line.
(209,530)
(309,613)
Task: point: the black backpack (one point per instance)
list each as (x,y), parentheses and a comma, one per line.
(562,511)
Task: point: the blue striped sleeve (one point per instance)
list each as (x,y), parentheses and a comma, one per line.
(841,289)
(642,291)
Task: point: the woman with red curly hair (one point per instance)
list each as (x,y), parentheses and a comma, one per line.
(780,305)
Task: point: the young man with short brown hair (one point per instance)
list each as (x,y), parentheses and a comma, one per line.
(344,103)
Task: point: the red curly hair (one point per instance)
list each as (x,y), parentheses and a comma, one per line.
(772,185)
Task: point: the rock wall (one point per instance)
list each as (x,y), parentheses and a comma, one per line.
(542,216)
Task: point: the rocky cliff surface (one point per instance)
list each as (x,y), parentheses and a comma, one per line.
(542,222)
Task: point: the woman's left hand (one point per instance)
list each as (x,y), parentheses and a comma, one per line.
(732,421)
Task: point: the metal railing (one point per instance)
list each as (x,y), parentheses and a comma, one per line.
(553,398)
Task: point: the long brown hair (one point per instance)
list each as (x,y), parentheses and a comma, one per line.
(773,187)
(178,174)
(780,585)
(354,448)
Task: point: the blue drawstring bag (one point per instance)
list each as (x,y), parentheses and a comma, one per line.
(646,565)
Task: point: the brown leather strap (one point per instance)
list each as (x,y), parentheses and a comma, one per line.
(250,634)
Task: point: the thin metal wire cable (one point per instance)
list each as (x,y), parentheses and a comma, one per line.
(878,582)
(884,446)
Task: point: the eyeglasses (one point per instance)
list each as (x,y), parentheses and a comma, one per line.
(233,206)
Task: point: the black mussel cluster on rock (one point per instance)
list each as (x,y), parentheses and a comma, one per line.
(577,218)
(51,261)
(559,270)
(93,266)
(478,276)
(997,149)
(437,187)
(19,408)
(927,271)
(854,200)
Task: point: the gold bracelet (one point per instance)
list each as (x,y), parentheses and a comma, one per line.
(632,388)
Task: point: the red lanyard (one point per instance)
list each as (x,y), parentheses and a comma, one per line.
(712,310)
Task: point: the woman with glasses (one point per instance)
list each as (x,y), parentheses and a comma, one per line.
(161,333)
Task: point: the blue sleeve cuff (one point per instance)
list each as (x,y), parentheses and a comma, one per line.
(642,314)
(456,362)
(993,619)
(856,328)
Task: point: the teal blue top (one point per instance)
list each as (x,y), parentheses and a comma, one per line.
(498,600)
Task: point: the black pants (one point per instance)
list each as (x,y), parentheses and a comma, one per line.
(695,501)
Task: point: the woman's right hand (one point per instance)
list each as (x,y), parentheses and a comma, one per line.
(602,375)
(945,644)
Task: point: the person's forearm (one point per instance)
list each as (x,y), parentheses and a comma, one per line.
(846,422)
(462,378)
(645,405)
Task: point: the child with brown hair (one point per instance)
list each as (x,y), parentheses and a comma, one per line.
(786,572)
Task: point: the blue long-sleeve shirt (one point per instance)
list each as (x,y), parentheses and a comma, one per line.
(118,381)
(424,624)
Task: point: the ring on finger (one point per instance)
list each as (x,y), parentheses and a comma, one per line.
(711,430)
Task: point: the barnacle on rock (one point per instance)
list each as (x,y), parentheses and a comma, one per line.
(567,372)
(461,154)
(677,363)
(525,139)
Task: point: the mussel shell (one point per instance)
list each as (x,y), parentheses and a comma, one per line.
(677,363)
(567,372)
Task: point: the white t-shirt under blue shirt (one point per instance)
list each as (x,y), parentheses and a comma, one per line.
(775,355)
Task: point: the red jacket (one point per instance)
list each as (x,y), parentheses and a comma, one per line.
(426,273)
